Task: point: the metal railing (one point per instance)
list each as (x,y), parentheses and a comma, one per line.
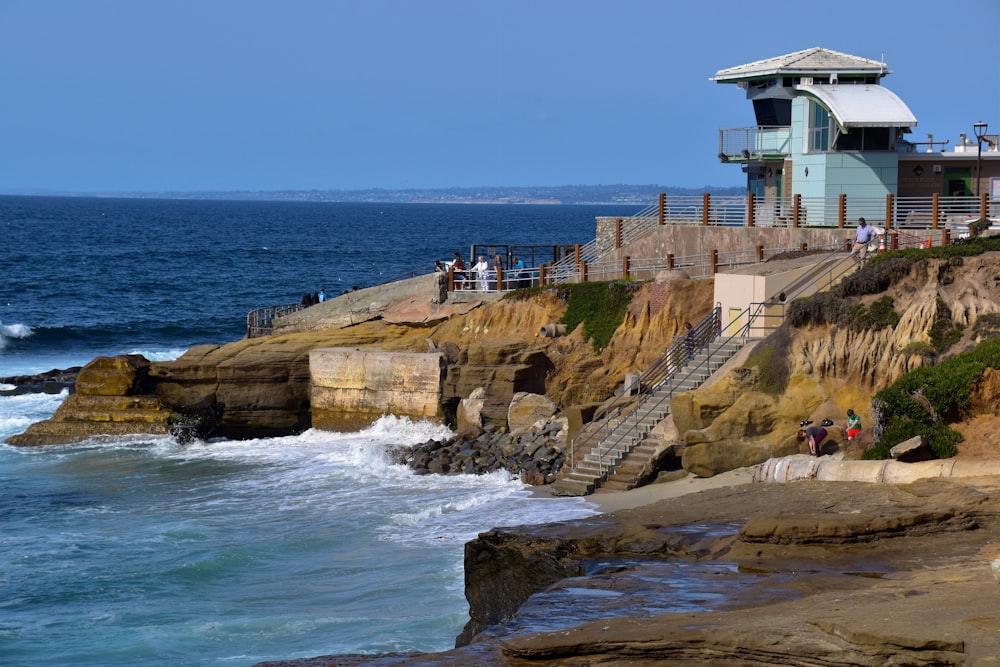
(260,322)
(670,362)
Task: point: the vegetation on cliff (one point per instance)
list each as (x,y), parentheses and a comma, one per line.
(946,390)
(599,306)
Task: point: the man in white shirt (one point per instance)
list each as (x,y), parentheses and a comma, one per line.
(482,269)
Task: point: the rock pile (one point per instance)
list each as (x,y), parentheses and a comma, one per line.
(535,455)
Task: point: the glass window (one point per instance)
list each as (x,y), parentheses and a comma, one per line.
(819,128)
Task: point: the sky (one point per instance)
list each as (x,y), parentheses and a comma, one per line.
(226,95)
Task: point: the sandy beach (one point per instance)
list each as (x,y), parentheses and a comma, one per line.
(613,501)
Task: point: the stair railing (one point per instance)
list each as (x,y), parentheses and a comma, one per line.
(676,356)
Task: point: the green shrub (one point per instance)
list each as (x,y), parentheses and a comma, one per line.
(600,306)
(944,332)
(987,325)
(819,308)
(947,387)
(879,315)
(771,361)
(918,348)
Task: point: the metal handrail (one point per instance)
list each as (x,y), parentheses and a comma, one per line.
(260,322)
(656,373)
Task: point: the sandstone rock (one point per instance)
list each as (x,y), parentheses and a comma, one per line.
(470,412)
(914,449)
(108,401)
(528,409)
(124,375)
(711,458)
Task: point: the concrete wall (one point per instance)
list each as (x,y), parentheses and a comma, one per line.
(362,305)
(695,239)
(353,388)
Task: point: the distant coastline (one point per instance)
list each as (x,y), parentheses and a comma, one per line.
(628,195)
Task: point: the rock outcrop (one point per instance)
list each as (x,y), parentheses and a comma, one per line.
(113,397)
(734,423)
(810,573)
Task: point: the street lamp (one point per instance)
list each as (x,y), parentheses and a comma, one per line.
(980,130)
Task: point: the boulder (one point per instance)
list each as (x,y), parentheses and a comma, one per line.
(469,417)
(526,410)
(912,450)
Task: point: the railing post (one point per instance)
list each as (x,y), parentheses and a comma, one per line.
(451,278)
(842,211)
(895,241)
(541,274)
(714,262)
(618,234)
(663,208)
(803,247)
(751,209)
(576,253)
(706,203)
(935,210)
(499,278)
(945,236)
(889,199)
(670,261)
(984,205)
(583,271)
(626,265)
(796,205)
(760,254)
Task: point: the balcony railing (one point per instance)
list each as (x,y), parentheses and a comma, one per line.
(754,143)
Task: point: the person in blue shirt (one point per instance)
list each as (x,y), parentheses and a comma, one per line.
(322,295)
(519,272)
(862,237)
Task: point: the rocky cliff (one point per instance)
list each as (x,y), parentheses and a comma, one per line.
(261,386)
(738,421)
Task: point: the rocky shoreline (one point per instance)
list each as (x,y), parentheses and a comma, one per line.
(805,573)
(49,382)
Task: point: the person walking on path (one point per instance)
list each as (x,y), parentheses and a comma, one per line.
(853,425)
(816,435)
(862,237)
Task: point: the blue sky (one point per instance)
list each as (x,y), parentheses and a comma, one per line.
(140,95)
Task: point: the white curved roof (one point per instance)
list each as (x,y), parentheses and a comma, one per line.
(861,105)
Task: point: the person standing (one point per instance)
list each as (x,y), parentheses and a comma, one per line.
(863,235)
(458,269)
(853,425)
(482,270)
(322,295)
(519,272)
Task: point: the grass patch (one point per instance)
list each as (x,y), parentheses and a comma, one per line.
(600,306)
(771,361)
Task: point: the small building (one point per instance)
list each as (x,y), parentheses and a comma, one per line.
(826,126)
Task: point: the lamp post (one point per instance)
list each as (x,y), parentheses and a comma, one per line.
(980,130)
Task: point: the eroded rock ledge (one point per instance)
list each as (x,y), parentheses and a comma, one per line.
(823,573)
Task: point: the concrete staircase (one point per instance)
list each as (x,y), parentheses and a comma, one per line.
(618,458)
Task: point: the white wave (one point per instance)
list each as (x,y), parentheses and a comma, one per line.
(13,331)
(17,413)
(160,354)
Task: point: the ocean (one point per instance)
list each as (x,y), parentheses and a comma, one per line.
(145,551)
